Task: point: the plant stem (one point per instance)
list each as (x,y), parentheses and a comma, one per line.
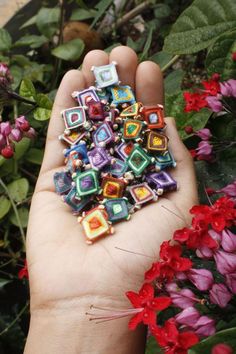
(15,211)
(15,108)
(170,63)
(16,319)
(133,13)
(20,98)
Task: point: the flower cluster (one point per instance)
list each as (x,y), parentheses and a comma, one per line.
(5,75)
(11,133)
(196,294)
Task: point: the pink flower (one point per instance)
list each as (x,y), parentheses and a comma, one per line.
(204,327)
(228,241)
(204,148)
(204,134)
(204,252)
(5,128)
(201,278)
(5,74)
(231,282)
(221,348)
(22,124)
(214,103)
(16,134)
(31,133)
(220,295)
(225,262)
(228,88)
(188,316)
(2,140)
(182,298)
(229,190)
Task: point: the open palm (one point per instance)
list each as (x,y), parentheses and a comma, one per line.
(61,265)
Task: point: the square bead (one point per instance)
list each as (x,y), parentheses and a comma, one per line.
(117,209)
(105,75)
(95,224)
(157,141)
(83,97)
(161,180)
(62,182)
(74,117)
(122,94)
(131,111)
(138,160)
(103,135)
(95,110)
(72,138)
(142,193)
(164,160)
(132,129)
(76,204)
(117,169)
(154,116)
(87,183)
(98,158)
(124,149)
(81,150)
(113,187)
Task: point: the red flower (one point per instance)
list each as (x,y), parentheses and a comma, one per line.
(170,263)
(172,341)
(194,101)
(148,305)
(23,273)
(211,86)
(195,238)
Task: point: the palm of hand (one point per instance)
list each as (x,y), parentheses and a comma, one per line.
(61,265)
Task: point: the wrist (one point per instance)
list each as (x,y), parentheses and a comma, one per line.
(65,328)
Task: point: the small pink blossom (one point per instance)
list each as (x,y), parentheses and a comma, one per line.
(188,316)
(220,295)
(214,103)
(201,278)
(204,148)
(5,128)
(228,241)
(22,123)
(31,133)
(5,75)
(16,134)
(225,262)
(204,252)
(204,133)
(231,282)
(204,327)
(182,298)
(229,190)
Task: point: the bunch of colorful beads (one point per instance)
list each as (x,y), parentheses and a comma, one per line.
(116,156)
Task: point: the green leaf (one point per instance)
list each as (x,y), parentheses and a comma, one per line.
(44,101)
(175,108)
(147,44)
(34,72)
(30,22)
(227,336)
(5,206)
(27,89)
(47,21)
(32,41)
(161,58)
(199,25)
(18,189)
(152,347)
(3,282)
(71,50)
(82,14)
(21,147)
(173,82)
(17,73)
(23,214)
(219,58)
(162,10)
(101,8)
(5,40)
(35,156)
(42,114)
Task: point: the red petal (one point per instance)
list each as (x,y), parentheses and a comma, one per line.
(188,339)
(146,292)
(153,272)
(160,303)
(149,316)
(134,321)
(182,235)
(134,299)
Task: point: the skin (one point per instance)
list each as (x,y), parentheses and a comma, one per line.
(66,275)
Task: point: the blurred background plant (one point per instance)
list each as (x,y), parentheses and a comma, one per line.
(194,42)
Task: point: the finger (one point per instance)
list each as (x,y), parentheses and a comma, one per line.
(93,58)
(149,84)
(184,172)
(73,80)
(127,61)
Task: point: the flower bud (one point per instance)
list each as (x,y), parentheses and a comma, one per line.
(231,282)
(16,134)
(5,128)
(22,123)
(2,140)
(31,133)
(201,278)
(220,295)
(204,134)
(225,262)
(221,348)
(5,75)
(228,241)
(188,316)
(7,152)
(204,327)
(188,129)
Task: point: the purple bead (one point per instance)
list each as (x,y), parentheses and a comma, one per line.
(161,180)
(98,158)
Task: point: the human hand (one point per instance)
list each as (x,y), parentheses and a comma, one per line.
(66,275)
